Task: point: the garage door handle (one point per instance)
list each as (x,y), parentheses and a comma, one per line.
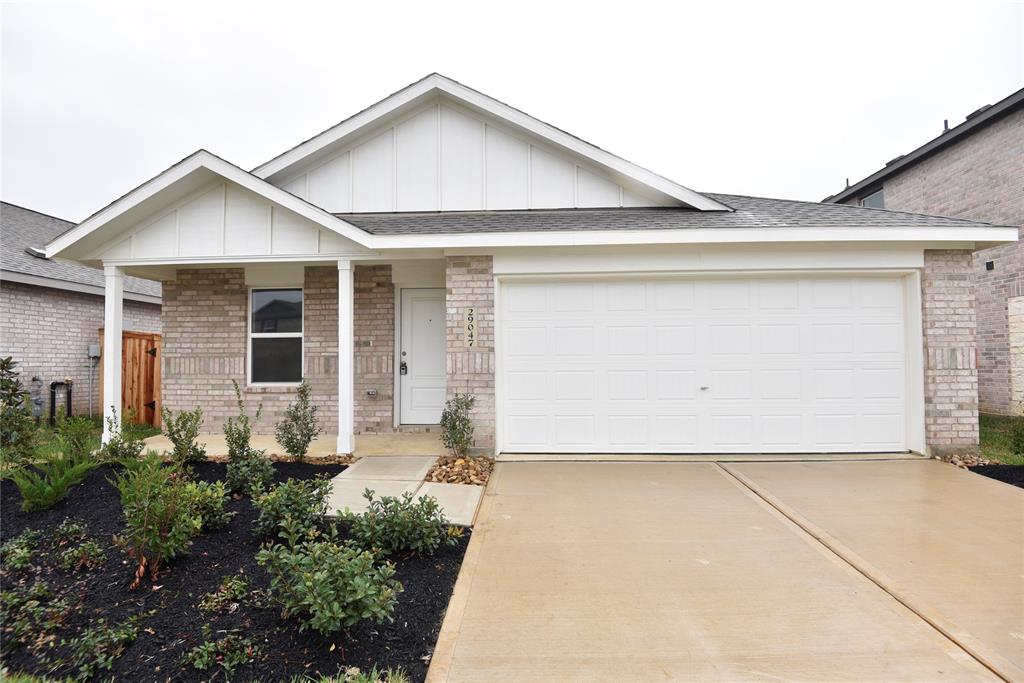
(704,388)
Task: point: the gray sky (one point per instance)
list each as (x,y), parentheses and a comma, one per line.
(781,99)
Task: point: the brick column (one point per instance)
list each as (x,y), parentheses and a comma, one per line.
(470,284)
(950,352)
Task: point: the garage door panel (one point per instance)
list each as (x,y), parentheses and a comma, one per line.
(799,365)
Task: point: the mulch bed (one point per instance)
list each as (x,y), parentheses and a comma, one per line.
(1011,474)
(176,623)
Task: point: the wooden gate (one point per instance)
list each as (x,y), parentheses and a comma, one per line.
(140,375)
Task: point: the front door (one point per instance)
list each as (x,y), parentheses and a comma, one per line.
(421,356)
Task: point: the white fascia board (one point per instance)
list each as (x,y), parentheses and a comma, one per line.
(217,165)
(510,115)
(64,285)
(971,235)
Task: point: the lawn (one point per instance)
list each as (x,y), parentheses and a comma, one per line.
(996,431)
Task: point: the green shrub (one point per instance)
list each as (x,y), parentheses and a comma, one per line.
(233,591)
(238,430)
(182,430)
(160,517)
(77,436)
(17,428)
(391,524)
(85,555)
(30,614)
(228,652)
(456,426)
(69,531)
(208,501)
(46,484)
(99,646)
(299,426)
(249,475)
(18,552)
(125,440)
(302,501)
(329,587)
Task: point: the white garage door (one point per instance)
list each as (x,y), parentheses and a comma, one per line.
(753,365)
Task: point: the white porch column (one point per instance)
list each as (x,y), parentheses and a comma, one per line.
(346,387)
(113,297)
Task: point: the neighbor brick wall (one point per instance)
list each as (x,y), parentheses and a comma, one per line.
(470,283)
(374,363)
(48,331)
(1015,307)
(950,352)
(981,177)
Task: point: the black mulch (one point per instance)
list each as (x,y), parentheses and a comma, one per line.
(176,625)
(1011,474)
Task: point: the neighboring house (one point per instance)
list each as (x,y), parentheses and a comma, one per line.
(975,171)
(51,310)
(441,241)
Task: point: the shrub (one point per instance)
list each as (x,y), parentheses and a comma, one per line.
(98,646)
(17,428)
(456,427)
(208,502)
(160,517)
(29,614)
(77,436)
(182,430)
(86,555)
(125,440)
(49,481)
(394,524)
(329,587)
(302,501)
(238,430)
(299,426)
(69,531)
(18,552)
(229,652)
(233,591)
(249,475)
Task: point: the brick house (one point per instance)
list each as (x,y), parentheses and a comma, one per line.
(442,242)
(974,170)
(51,310)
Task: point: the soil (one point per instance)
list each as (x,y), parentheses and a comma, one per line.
(174,624)
(1011,474)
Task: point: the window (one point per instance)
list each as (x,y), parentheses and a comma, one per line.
(275,336)
(875,200)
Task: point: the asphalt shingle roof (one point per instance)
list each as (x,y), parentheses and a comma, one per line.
(21,228)
(749,212)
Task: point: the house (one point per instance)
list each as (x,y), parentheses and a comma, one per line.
(51,310)
(441,241)
(974,170)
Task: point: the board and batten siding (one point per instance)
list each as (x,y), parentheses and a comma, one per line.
(225,219)
(443,157)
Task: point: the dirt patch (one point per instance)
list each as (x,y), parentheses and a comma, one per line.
(174,623)
(466,470)
(1011,474)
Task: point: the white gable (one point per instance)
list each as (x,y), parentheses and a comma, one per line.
(443,157)
(224,219)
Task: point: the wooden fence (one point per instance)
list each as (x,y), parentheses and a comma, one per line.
(140,375)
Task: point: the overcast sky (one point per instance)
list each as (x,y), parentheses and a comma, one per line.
(779,99)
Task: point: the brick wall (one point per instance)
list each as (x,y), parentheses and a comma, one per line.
(48,331)
(950,352)
(374,363)
(470,283)
(1015,308)
(980,178)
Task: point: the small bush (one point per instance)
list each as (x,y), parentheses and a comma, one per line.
(182,430)
(228,652)
(99,646)
(249,475)
(456,426)
(29,615)
(17,428)
(302,501)
(17,553)
(77,437)
(234,590)
(391,524)
(69,531)
(238,430)
(299,426)
(49,481)
(208,501)
(329,587)
(125,440)
(86,555)
(160,517)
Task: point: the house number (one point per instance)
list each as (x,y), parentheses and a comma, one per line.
(470,324)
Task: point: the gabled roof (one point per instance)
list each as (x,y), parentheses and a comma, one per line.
(176,182)
(24,229)
(436,84)
(974,123)
(749,212)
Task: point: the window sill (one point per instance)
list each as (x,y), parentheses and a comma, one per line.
(272,388)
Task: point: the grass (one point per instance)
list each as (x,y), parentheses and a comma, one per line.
(996,433)
(47,443)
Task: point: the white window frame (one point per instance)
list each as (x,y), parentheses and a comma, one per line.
(270,335)
(879,191)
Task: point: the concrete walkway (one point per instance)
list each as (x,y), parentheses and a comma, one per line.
(645,571)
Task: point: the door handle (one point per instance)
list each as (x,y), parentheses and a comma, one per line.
(403,369)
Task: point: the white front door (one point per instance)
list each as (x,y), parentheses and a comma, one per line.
(421,356)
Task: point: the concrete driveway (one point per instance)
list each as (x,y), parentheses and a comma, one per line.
(690,571)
